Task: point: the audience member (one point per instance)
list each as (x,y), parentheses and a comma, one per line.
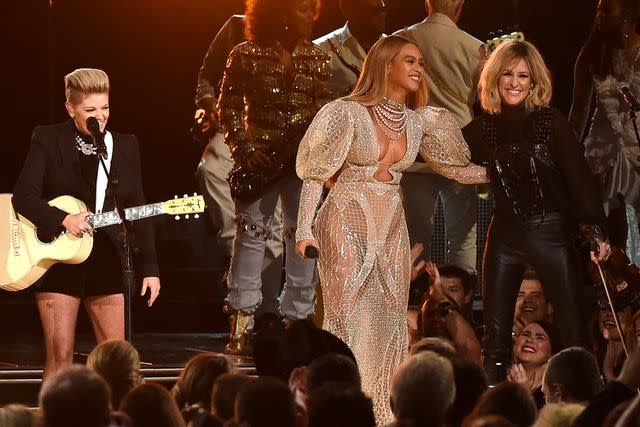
(327,368)
(265,402)
(151,405)
(192,391)
(531,351)
(558,415)
(509,400)
(607,341)
(339,405)
(16,415)
(445,309)
(532,304)
(118,363)
(439,346)
(332,368)
(423,389)
(618,390)
(572,376)
(471,382)
(278,353)
(223,396)
(75,397)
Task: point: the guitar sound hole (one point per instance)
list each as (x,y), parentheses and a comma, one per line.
(43,238)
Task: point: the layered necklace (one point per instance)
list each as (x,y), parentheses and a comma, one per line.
(391,116)
(85,147)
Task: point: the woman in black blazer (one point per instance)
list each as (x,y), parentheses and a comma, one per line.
(63,161)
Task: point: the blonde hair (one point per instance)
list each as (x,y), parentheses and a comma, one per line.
(505,54)
(118,363)
(371,87)
(84,81)
(423,377)
(558,415)
(445,6)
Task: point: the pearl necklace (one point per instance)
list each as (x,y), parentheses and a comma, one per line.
(391,116)
(86,148)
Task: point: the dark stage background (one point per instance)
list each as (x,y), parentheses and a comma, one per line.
(152,51)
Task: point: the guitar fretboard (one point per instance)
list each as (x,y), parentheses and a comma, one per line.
(145,211)
(110,218)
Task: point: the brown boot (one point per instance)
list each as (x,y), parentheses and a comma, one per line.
(241,329)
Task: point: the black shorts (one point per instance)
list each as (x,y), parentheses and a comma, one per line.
(100,274)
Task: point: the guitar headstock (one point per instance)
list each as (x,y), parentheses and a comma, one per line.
(185,205)
(499,36)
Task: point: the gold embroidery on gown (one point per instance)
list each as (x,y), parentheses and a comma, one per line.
(364,260)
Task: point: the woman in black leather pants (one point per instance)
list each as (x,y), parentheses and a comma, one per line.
(544,193)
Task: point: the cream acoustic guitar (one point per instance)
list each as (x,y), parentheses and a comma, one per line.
(24,258)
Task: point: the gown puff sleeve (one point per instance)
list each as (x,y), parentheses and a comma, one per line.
(444,149)
(322,153)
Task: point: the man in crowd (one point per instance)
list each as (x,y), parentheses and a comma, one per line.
(532,304)
(445,313)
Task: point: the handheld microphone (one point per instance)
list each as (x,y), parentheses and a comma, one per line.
(628,96)
(311,252)
(98,137)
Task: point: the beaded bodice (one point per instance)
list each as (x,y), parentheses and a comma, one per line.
(343,138)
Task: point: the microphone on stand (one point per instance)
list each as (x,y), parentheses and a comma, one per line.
(628,96)
(98,137)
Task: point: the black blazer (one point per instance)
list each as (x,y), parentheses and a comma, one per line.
(52,169)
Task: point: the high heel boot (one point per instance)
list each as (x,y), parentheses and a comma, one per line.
(240,336)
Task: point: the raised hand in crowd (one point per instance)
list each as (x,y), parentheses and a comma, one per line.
(518,374)
(417,268)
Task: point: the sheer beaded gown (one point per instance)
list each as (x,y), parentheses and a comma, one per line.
(364,258)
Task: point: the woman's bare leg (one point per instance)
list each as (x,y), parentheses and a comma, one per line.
(106,313)
(58,313)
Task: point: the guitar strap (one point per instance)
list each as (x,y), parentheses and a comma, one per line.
(355,70)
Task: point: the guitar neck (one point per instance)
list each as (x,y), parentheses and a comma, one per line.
(132,214)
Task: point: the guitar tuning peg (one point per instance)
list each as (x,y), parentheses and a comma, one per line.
(186,216)
(177,217)
(175,197)
(195,194)
(185,195)
(196,216)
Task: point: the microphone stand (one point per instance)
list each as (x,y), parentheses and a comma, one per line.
(127,235)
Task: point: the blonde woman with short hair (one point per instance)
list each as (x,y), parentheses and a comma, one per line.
(63,160)
(543,190)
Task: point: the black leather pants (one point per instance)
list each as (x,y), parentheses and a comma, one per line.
(510,247)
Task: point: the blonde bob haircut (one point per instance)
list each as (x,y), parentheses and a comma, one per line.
(505,54)
(371,87)
(84,81)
